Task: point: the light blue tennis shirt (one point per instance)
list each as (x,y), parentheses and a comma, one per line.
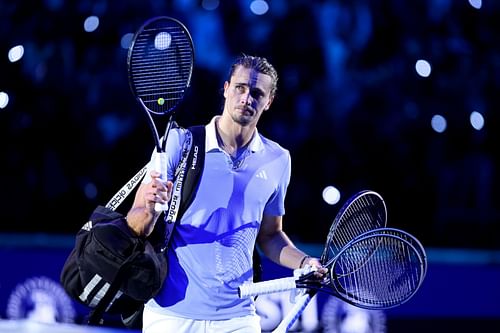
(211,248)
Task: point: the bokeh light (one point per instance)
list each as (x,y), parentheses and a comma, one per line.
(476,120)
(423,68)
(16,53)
(331,195)
(91,23)
(4,99)
(438,123)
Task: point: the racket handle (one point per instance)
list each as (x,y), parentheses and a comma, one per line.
(292,316)
(267,287)
(160,165)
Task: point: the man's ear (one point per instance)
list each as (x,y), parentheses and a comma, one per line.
(268,105)
(226,85)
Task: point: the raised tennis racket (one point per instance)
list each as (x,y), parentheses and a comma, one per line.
(160,65)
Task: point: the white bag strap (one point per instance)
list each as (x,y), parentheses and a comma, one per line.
(180,171)
(118,198)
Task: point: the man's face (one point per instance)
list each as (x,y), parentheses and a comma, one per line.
(247,95)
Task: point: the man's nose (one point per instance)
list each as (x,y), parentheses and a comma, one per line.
(246,99)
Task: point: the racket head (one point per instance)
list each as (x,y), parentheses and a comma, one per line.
(377,271)
(160,64)
(364,211)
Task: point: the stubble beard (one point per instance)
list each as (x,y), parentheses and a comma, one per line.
(241,118)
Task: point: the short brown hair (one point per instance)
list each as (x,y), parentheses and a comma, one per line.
(259,64)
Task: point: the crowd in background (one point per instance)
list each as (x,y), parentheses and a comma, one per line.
(350,107)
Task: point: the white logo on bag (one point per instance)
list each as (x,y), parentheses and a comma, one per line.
(195,157)
(87,226)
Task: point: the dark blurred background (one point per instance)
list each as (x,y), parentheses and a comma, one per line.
(353,107)
(400,97)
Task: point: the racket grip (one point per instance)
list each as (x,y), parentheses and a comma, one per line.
(267,287)
(160,165)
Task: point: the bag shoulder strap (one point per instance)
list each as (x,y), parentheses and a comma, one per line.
(186,182)
(198,133)
(195,168)
(190,167)
(126,189)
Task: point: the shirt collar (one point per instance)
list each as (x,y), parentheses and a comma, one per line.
(255,144)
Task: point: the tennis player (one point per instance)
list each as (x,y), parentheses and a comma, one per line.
(239,203)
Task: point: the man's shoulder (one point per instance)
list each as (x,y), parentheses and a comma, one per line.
(182,131)
(273,146)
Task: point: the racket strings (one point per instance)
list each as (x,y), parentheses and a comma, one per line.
(365,213)
(377,272)
(360,217)
(417,246)
(161,66)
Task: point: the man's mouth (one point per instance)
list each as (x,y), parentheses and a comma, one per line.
(246,110)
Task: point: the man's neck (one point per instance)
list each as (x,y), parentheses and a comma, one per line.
(233,139)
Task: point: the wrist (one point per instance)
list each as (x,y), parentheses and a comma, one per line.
(304,260)
(140,221)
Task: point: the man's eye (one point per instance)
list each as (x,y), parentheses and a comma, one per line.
(257,94)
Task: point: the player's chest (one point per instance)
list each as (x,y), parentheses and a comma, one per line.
(251,178)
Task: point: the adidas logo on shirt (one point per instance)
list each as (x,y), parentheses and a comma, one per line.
(261,174)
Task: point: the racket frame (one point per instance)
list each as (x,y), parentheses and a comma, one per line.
(380,223)
(331,286)
(160,41)
(378,235)
(170,109)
